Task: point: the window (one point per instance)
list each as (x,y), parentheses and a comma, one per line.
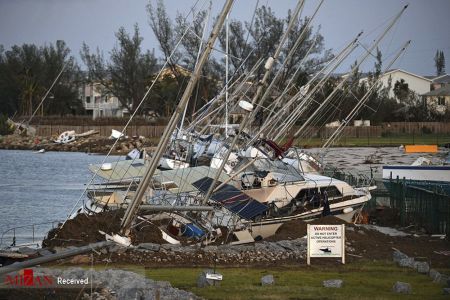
(88,99)
(332,191)
(306,194)
(441,100)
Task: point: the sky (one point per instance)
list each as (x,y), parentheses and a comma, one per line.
(425,23)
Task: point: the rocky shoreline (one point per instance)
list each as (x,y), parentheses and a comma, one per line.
(91,144)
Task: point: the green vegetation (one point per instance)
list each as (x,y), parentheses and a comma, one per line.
(5,128)
(27,72)
(369,280)
(386,141)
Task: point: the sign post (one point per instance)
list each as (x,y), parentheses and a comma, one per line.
(326,241)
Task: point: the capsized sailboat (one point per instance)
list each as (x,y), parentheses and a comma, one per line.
(261,190)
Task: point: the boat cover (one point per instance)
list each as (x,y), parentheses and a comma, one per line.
(126,170)
(232,199)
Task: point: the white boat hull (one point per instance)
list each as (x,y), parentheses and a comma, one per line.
(268,227)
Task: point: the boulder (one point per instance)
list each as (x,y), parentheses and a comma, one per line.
(422,267)
(333,283)
(397,256)
(402,288)
(435,275)
(446,291)
(445,279)
(267,280)
(407,262)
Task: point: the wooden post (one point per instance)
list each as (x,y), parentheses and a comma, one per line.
(343,244)
(308,258)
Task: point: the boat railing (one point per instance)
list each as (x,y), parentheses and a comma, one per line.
(26,235)
(355,180)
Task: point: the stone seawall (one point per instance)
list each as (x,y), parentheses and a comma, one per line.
(92,144)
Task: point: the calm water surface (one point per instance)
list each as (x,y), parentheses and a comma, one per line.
(40,188)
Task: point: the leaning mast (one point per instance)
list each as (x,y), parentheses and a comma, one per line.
(154,162)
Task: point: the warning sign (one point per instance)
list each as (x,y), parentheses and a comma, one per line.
(326,241)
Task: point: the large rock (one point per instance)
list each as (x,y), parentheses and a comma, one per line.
(435,275)
(202,281)
(407,262)
(402,288)
(124,284)
(422,267)
(333,283)
(445,279)
(397,256)
(267,280)
(446,291)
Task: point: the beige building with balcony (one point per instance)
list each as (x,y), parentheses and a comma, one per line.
(99,103)
(438,100)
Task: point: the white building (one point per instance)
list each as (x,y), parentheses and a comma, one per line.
(99,103)
(439,99)
(418,84)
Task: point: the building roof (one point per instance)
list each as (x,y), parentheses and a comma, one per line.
(443,91)
(442,79)
(406,72)
(388,72)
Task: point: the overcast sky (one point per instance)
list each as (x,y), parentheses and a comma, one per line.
(426,23)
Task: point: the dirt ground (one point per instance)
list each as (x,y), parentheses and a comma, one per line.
(84,229)
(361,242)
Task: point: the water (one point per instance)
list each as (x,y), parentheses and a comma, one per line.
(40,188)
(353,159)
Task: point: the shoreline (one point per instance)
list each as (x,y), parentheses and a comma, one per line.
(93,145)
(102,144)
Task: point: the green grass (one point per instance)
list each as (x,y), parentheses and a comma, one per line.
(361,281)
(379,141)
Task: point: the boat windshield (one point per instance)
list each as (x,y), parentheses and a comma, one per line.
(281,171)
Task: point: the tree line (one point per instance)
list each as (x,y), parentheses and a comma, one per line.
(128,70)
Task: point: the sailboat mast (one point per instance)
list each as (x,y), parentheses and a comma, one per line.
(227,28)
(274,59)
(362,101)
(269,65)
(154,162)
(340,85)
(47,93)
(180,132)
